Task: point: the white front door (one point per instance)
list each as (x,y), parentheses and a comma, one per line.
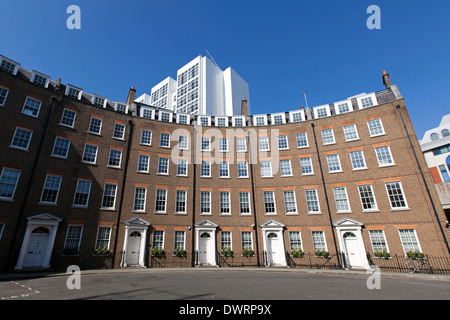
(206,249)
(37,247)
(352,250)
(134,245)
(275,250)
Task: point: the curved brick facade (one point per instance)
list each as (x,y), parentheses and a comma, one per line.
(119,181)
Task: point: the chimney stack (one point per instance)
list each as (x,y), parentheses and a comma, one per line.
(244,111)
(386,80)
(131,96)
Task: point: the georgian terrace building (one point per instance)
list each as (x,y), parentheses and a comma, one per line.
(99,184)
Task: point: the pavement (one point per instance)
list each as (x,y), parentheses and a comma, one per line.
(40,274)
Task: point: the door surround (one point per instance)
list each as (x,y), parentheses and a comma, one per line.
(350,230)
(274,230)
(41,220)
(131,226)
(201,229)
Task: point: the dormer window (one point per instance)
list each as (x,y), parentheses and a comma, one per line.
(343,106)
(296,116)
(121,107)
(147,113)
(204,121)
(9,65)
(221,121)
(73,92)
(260,120)
(99,101)
(165,116)
(40,79)
(367,101)
(322,112)
(278,118)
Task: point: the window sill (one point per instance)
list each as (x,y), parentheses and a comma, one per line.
(401,209)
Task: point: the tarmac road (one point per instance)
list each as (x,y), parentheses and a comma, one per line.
(224,284)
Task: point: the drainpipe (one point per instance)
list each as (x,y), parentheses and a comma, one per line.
(253,197)
(326,195)
(423,178)
(194,185)
(119,214)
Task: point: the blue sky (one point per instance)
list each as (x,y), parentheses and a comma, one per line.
(281,48)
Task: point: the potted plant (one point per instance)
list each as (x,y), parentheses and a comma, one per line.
(227,252)
(413,255)
(101,251)
(298,253)
(322,253)
(179,252)
(382,254)
(247,252)
(158,252)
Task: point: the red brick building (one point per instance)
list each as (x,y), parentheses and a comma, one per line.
(100,184)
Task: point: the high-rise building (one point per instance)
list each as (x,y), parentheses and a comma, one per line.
(201,88)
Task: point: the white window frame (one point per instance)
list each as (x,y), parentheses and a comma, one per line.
(29,139)
(111,151)
(400,187)
(143,166)
(272,195)
(104,195)
(294,202)
(36,74)
(121,107)
(361,153)
(60,178)
(316,195)
(140,199)
(3,89)
(184,201)
(370,95)
(234,121)
(116,126)
(317,109)
(375,209)
(11,62)
(330,164)
(339,103)
(347,134)
(205,169)
(240,163)
(275,116)
(416,243)
(281,139)
(337,199)
(162,140)
(256,119)
(146,137)
(326,137)
(144,110)
(208,212)
(263,141)
(387,154)
(84,153)
(310,165)
(99,101)
(91,124)
(245,203)
(290,174)
(70,87)
(76,205)
(301,140)
(160,166)
(8,182)
(372,128)
(266,171)
(74,118)
(292,115)
(26,107)
(181,164)
(225,204)
(67,140)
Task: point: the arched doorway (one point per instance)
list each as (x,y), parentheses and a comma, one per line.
(134,246)
(37,247)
